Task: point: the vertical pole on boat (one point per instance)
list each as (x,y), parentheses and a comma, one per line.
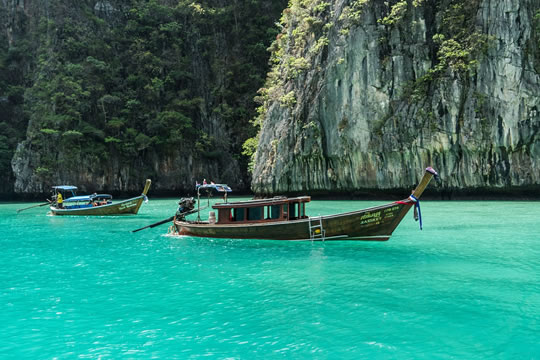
(198,205)
(55,198)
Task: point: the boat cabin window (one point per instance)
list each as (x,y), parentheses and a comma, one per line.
(263,211)
(255,213)
(273,212)
(297,210)
(292,210)
(239,214)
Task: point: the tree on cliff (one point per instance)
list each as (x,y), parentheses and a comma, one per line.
(128,82)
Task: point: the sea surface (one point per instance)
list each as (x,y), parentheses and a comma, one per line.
(465,287)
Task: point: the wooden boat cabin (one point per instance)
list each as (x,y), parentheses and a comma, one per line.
(261,211)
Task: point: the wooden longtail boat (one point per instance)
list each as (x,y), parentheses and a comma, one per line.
(96,204)
(282,218)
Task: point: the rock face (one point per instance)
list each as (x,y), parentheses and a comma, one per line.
(386,97)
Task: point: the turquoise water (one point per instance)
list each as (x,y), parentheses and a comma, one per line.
(466,287)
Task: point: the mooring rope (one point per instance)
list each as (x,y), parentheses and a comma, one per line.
(416,208)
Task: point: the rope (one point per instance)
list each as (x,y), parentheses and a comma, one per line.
(416,208)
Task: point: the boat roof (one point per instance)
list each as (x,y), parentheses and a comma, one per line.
(88,197)
(278,200)
(65,187)
(217,187)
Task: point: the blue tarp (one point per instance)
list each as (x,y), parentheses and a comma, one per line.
(217,187)
(78,198)
(65,187)
(88,197)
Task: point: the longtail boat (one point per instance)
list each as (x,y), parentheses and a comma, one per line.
(282,218)
(95,204)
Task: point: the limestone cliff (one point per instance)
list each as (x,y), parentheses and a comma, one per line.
(365,94)
(113,92)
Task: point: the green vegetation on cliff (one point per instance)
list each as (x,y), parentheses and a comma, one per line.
(126,79)
(535,46)
(456,45)
(303,38)
(13,61)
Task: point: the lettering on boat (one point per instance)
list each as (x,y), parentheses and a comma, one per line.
(127,205)
(390,212)
(369,218)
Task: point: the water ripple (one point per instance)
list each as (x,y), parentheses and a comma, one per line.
(467,286)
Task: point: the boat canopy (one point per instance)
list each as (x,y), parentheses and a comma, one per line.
(65,187)
(278,200)
(217,187)
(88,197)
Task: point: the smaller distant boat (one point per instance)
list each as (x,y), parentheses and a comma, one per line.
(66,202)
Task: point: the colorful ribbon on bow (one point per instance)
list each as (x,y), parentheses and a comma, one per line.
(417,212)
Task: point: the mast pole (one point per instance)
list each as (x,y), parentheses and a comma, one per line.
(198,205)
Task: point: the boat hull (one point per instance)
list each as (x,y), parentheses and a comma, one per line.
(129,206)
(372,224)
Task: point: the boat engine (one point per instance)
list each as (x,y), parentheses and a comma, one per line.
(185,207)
